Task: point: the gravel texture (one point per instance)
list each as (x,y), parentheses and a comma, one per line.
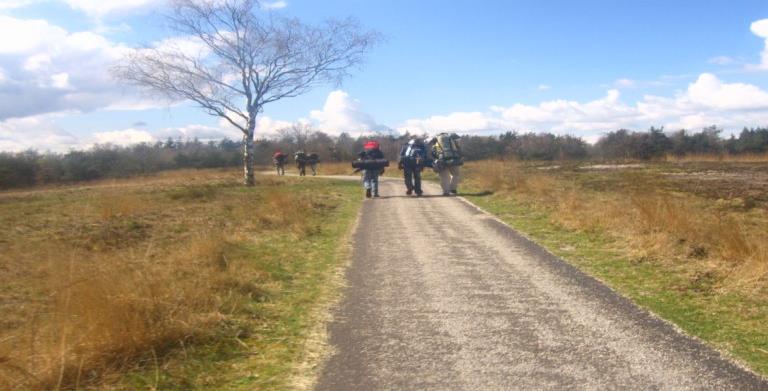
(442,296)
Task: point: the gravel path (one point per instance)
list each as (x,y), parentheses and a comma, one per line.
(442,296)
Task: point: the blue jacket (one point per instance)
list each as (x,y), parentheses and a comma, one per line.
(413,155)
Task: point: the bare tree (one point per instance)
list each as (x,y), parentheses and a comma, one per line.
(231,58)
(298,134)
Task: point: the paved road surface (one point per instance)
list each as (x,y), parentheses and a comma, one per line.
(444,297)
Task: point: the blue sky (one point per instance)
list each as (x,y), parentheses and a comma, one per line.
(577,67)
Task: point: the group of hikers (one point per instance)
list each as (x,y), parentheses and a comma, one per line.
(302,159)
(442,153)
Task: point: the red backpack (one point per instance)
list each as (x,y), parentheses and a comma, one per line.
(371,145)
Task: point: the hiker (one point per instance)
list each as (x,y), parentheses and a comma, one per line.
(448,161)
(301,162)
(371,162)
(278,159)
(313,159)
(413,159)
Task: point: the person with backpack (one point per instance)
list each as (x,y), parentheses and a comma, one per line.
(413,159)
(301,162)
(372,162)
(448,161)
(313,159)
(279,161)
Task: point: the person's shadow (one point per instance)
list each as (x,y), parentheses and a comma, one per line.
(478,194)
(483,193)
(411,196)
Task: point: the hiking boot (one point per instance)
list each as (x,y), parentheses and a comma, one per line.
(367,193)
(446,194)
(376,195)
(409,192)
(454,192)
(419,194)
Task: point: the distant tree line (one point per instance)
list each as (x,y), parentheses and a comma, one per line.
(108,161)
(655,143)
(32,168)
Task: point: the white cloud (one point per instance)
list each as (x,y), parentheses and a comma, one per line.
(191,46)
(624,83)
(709,92)
(48,69)
(760,28)
(266,126)
(341,113)
(38,132)
(275,5)
(100,8)
(460,121)
(706,101)
(123,137)
(544,87)
(93,8)
(41,133)
(20,36)
(722,60)
(60,80)
(11,4)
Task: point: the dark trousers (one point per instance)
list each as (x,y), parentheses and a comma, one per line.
(412,178)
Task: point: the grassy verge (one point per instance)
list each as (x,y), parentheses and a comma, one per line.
(691,259)
(185,281)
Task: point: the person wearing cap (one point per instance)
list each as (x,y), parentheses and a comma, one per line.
(371,151)
(278,158)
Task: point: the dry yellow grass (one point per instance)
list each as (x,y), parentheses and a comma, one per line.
(651,219)
(683,239)
(742,158)
(335,168)
(99,279)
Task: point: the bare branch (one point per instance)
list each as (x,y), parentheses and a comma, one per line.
(231,58)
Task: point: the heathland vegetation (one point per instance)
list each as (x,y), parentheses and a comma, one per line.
(120,282)
(180,280)
(108,161)
(685,239)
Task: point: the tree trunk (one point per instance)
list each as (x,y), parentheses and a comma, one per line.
(248,159)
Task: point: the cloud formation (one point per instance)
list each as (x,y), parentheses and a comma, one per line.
(706,101)
(274,5)
(100,8)
(722,60)
(92,8)
(760,28)
(47,69)
(342,113)
(39,133)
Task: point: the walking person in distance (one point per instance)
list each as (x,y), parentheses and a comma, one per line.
(413,158)
(448,161)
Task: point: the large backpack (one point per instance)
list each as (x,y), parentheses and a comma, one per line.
(371,145)
(414,151)
(447,149)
